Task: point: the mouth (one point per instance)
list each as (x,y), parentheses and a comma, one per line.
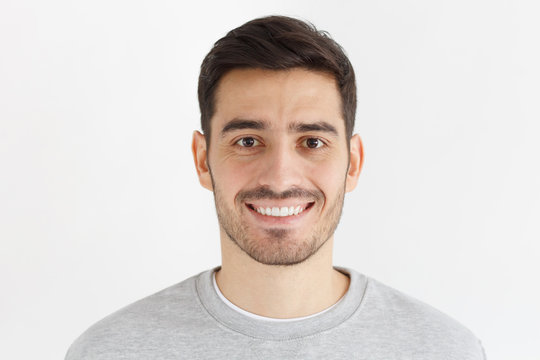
(285,210)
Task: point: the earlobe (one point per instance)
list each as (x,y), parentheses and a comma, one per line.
(200,157)
(355,163)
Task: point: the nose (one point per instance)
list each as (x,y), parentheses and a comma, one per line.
(280,168)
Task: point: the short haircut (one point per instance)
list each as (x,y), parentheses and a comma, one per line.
(276,43)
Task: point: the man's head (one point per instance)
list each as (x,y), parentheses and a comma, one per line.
(276,43)
(282,154)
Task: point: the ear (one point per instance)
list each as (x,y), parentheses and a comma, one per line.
(355,163)
(198,147)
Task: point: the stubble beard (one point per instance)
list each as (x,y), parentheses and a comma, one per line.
(277,246)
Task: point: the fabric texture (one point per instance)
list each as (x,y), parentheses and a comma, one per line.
(190,321)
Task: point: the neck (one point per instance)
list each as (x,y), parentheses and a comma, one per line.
(280,291)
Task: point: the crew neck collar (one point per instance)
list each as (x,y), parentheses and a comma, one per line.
(257,328)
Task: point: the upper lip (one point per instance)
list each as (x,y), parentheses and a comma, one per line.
(279,204)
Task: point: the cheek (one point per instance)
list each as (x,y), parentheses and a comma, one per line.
(329,175)
(230,179)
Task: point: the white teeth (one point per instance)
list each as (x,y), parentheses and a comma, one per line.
(280,211)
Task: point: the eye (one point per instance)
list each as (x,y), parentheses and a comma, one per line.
(248,142)
(312,143)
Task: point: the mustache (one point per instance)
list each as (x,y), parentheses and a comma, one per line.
(264,192)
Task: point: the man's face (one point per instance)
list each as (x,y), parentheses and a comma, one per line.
(278,162)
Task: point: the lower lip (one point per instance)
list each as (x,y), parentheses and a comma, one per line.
(279,220)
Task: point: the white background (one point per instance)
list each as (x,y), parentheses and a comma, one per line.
(100,205)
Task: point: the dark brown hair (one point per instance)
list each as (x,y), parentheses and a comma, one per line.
(276,43)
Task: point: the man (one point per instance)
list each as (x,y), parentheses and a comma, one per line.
(278,100)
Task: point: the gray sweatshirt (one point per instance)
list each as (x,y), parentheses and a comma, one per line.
(190,320)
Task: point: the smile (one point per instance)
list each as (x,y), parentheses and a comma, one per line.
(280,211)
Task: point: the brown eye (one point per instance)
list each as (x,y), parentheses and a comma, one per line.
(247,142)
(313,143)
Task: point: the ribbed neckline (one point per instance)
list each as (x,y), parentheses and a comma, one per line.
(269,330)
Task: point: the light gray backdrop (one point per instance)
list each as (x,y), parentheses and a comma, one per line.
(100,205)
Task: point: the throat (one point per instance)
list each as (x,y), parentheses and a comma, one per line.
(269,297)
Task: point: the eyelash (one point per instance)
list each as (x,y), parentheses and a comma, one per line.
(323,143)
(238,142)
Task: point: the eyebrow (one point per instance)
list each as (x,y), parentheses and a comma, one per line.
(321,126)
(297,127)
(241,124)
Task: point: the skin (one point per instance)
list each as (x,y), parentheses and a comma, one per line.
(278,139)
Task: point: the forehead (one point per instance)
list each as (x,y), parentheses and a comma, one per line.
(278,97)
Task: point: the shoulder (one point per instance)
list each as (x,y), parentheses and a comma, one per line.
(417,325)
(139,325)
